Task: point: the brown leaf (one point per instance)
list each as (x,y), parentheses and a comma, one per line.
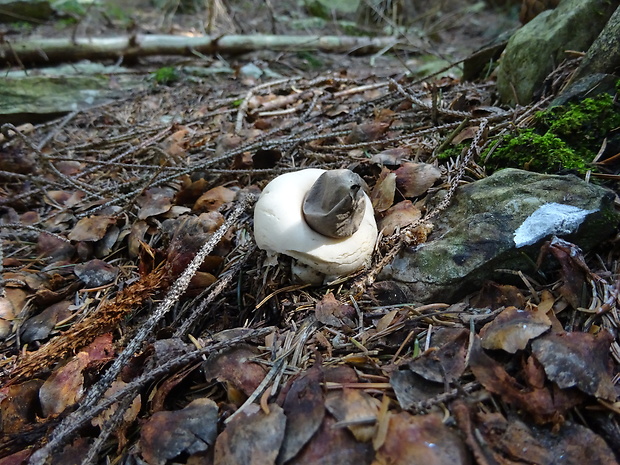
(514,442)
(19,405)
(399,216)
(545,405)
(513,328)
(168,434)
(304,407)
(331,312)
(18,458)
(445,361)
(367,132)
(382,194)
(465,134)
(422,439)
(253,437)
(155,201)
(411,389)
(189,236)
(91,229)
(578,359)
(39,326)
(355,407)
(7,313)
(213,199)
(392,157)
(55,249)
(494,296)
(332,445)
(234,366)
(65,386)
(414,179)
(128,417)
(95,273)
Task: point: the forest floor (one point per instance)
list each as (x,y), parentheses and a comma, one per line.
(140,322)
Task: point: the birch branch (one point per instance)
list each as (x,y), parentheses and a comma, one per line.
(52,50)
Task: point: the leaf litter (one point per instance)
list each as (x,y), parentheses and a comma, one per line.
(140,323)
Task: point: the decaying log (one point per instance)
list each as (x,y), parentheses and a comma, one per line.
(45,51)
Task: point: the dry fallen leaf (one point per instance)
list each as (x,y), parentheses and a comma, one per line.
(333,445)
(513,328)
(169,434)
(578,359)
(155,201)
(367,132)
(214,199)
(356,409)
(40,326)
(420,439)
(19,405)
(331,312)
(304,407)
(96,273)
(382,194)
(91,229)
(544,405)
(65,386)
(251,438)
(235,366)
(445,360)
(414,179)
(399,216)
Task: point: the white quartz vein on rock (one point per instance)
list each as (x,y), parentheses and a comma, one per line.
(549,219)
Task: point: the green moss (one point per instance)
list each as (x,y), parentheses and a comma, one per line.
(562,138)
(536,152)
(166,75)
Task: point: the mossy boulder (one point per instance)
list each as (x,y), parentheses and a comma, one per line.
(562,138)
(539,46)
(499,223)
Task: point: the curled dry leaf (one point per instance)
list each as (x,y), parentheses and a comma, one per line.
(414,179)
(65,386)
(392,157)
(188,237)
(19,405)
(304,407)
(7,313)
(513,328)
(333,445)
(399,216)
(412,389)
(253,437)
(54,249)
(40,326)
(128,417)
(445,361)
(367,132)
(331,312)
(545,405)
(214,199)
(578,359)
(95,273)
(514,442)
(356,409)
(382,194)
(169,434)
(155,201)
(235,367)
(423,439)
(91,229)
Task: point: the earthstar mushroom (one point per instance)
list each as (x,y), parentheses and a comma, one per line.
(323,219)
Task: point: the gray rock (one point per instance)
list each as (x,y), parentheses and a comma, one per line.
(497,223)
(539,46)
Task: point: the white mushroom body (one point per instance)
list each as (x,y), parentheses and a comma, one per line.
(279,226)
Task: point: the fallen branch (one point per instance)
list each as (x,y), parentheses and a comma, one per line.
(41,51)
